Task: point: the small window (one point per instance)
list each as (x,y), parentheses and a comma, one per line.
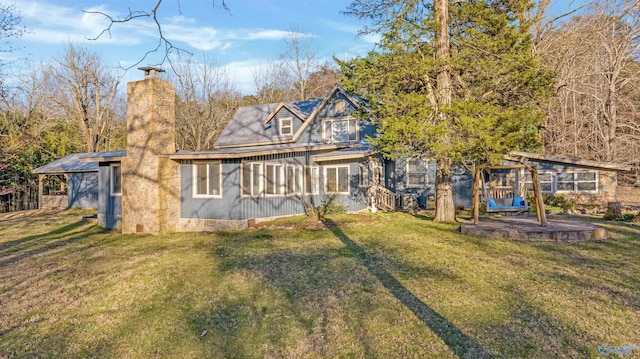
(252,184)
(340,106)
(294,180)
(116,180)
(311,177)
(274,179)
(286,126)
(577,181)
(416,173)
(207,177)
(364,179)
(337,179)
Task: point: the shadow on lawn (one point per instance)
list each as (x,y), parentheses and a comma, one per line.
(460,343)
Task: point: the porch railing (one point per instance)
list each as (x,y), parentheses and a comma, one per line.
(385,199)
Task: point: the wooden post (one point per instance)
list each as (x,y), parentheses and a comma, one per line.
(542,216)
(40,190)
(475,205)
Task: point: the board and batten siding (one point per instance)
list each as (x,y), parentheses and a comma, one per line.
(83,189)
(109,207)
(233,206)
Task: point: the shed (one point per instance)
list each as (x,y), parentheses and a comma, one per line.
(68,183)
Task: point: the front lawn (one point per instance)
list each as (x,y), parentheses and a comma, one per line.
(385,285)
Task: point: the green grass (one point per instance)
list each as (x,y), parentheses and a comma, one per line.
(387,286)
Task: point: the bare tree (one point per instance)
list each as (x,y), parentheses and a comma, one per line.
(149,14)
(272,82)
(301,60)
(80,88)
(207,99)
(596,58)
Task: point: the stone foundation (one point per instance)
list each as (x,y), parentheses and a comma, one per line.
(211,225)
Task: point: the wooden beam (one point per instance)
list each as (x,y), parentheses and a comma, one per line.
(476,196)
(542,216)
(40,189)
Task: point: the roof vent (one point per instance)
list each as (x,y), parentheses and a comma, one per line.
(151,72)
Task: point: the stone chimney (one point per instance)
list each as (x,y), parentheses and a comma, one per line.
(150,181)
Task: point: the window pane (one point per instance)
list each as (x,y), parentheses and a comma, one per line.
(246,179)
(565,186)
(586,186)
(298,188)
(343,179)
(271,179)
(290,180)
(117,179)
(352,130)
(201,178)
(562,177)
(328,134)
(214,179)
(586,176)
(332,175)
(545,177)
(311,180)
(257,179)
(340,131)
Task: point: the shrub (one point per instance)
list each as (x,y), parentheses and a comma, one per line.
(559,201)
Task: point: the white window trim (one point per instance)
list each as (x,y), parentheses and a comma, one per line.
(575,182)
(316,188)
(260,183)
(302,184)
(280,126)
(283,186)
(194,177)
(540,174)
(426,174)
(111,192)
(348,178)
(334,119)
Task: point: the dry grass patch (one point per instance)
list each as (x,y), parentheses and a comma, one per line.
(367,286)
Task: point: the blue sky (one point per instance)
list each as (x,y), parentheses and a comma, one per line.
(247,36)
(242,39)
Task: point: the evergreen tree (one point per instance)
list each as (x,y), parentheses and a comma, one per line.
(488,102)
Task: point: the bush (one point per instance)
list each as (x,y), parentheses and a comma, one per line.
(559,201)
(327,206)
(628,217)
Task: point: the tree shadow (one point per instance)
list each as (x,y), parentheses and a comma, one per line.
(459,342)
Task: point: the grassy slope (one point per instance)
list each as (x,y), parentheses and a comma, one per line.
(390,286)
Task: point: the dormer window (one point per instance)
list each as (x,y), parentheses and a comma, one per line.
(340,130)
(286,126)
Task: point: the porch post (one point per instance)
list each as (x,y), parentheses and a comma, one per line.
(40,189)
(542,216)
(476,196)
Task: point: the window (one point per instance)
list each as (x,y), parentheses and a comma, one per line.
(286,126)
(274,179)
(340,130)
(252,179)
(416,173)
(311,176)
(116,180)
(364,179)
(207,179)
(577,181)
(545,179)
(340,106)
(336,179)
(294,180)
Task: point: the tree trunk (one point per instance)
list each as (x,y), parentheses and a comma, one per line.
(445,208)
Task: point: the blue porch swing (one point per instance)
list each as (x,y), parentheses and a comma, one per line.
(506,194)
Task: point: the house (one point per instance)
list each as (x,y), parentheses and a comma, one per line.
(271,160)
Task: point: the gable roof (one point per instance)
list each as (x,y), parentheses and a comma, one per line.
(247,126)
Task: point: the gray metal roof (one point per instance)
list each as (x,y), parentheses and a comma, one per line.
(74,163)
(359,151)
(248,123)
